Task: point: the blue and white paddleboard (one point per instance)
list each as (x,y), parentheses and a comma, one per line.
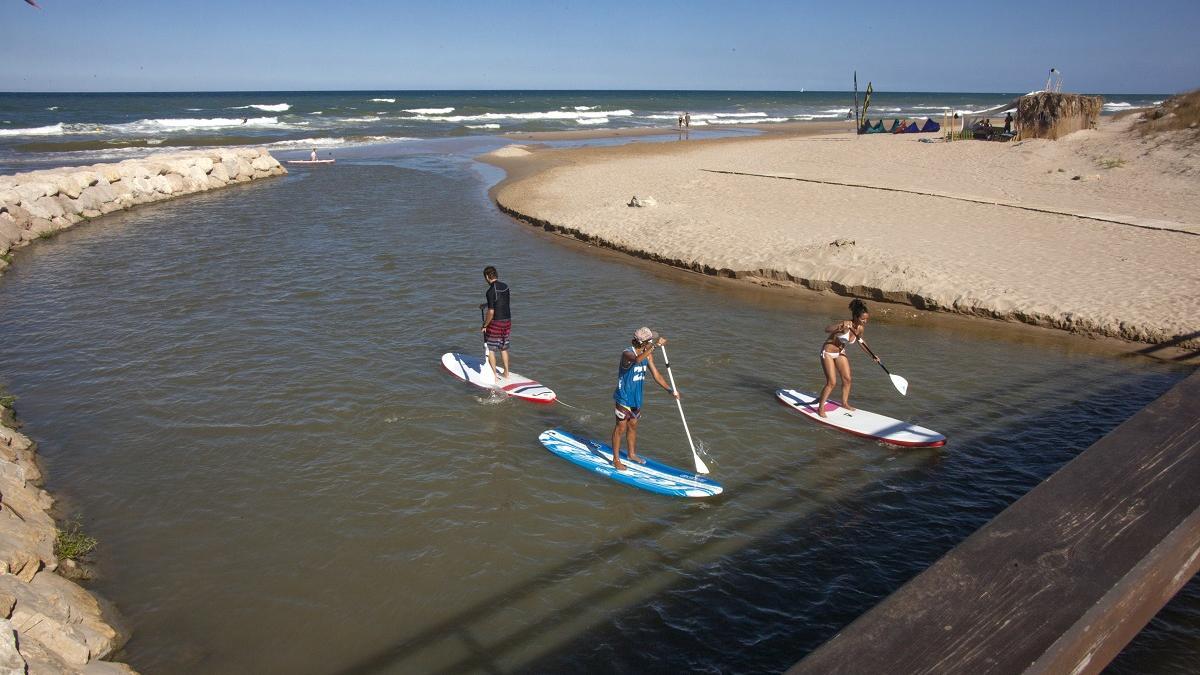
(652,476)
(474,369)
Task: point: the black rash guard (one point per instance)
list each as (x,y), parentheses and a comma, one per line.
(497,300)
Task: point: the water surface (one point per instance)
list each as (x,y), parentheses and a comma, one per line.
(240,393)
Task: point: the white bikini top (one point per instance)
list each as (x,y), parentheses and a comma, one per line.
(847,338)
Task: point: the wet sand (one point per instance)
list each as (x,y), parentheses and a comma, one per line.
(1096,233)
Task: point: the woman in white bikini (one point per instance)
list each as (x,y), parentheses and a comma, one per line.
(834,359)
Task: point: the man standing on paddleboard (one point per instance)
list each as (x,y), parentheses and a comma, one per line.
(497,320)
(631,373)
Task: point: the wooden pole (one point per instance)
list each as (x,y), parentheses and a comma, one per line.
(857,124)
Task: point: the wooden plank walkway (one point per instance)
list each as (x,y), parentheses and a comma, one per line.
(1062,579)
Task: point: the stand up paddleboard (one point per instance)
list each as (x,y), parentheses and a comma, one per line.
(651,476)
(311,161)
(861,422)
(475,370)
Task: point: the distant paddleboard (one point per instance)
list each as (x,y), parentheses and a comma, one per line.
(861,422)
(475,370)
(311,161)
(652,476)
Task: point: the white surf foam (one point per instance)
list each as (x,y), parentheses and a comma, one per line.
(755,120)
(192,124)
(581,108)
(265,107)
(335,141)
(592,120)
(52,130)
(53,107)
(815,116)
(383,100)
(483,126)
(549,115)
(429,111)
(369,118)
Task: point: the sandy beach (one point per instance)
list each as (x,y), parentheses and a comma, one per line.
(1096,233)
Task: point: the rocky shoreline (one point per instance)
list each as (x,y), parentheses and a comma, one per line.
(39,203)
(49,624)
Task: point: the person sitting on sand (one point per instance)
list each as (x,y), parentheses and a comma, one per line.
(631,374)
(834,359)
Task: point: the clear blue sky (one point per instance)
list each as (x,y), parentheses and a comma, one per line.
(200,45)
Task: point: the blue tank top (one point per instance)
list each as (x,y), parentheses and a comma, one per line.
(629,381)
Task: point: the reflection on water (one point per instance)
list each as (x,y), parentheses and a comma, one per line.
(241,394)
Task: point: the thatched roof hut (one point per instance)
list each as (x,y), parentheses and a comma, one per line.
(1047,114)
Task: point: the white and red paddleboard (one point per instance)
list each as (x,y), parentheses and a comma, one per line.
(475,369)
(311,161)
(861,422)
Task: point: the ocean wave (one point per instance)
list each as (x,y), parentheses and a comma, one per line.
(592,120)
(182,124)
(429,111)
(335,141)
(755,120)
(383,100)
(369,118)
(53,107)
(52,130)
(819,116)
(194,109)
(841,111)
(930,107)
(265,107)
(483,126)
(581,108)
(550,115)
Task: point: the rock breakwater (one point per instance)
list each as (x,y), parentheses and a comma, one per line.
(39,203)
(48,624)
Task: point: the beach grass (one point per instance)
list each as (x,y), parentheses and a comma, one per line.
(72,543)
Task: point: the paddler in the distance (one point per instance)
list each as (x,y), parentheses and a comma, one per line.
(313,157)
(834,360)
(631,373)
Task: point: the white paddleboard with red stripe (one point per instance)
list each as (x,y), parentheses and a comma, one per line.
(474,369)
(861,422)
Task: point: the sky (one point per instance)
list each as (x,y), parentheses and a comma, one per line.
(225,45)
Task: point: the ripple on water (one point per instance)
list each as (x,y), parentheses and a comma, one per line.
(248,410)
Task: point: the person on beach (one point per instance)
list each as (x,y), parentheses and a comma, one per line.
(687,120)
(497,320)
(313,156)
(680,120)
(1008,123)
(834,360)
(631,374)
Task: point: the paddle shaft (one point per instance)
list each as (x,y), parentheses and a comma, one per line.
(864,346)
(700,467)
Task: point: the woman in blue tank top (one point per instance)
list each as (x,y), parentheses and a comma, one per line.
(631,374)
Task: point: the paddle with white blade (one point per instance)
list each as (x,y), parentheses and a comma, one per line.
(700,467)
(900,383)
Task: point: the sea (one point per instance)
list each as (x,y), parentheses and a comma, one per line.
(82,128)
(240,395)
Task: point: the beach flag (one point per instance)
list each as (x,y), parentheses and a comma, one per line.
(867,101)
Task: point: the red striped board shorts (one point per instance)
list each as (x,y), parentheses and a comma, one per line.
(624,412)
(496,335)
